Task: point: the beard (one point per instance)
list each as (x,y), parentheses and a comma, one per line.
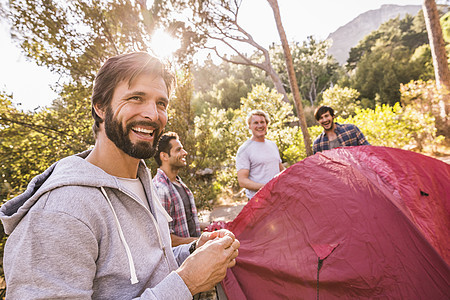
(120,137)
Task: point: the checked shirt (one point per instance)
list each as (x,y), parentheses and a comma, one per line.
(172,202)
(347,135)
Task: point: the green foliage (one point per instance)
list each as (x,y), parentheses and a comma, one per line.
(31,141)
(74,37)
(280,130)
(342,100)
(393,126)
(227,93)
(315,70)
(412,124)
(409,32)
(424,105)
(387,57)
(423,60)
(220,132)
(223,85)
(445,25)
(382,126)
(380,74)
(296,151)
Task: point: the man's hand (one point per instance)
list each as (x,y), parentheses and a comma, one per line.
(209,236)
(208,264)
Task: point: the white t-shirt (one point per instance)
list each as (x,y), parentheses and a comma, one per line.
(135,185)
(262,159)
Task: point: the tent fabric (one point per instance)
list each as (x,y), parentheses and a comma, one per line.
(356,222)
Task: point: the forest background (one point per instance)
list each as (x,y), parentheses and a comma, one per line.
(386,88)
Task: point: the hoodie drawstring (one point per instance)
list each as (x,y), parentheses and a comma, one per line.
(133,275)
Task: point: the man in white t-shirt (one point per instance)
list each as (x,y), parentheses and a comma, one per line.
(258,159)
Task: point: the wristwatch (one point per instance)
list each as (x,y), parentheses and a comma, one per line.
(193,247)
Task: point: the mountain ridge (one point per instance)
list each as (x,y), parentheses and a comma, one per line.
(348,35)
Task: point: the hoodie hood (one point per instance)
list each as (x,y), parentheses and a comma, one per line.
(72,170)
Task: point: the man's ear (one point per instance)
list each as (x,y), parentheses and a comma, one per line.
(99,111)
(163,156)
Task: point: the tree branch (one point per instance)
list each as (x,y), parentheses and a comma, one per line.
(39,128)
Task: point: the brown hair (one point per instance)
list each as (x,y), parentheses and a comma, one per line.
(125,67)
(321,110)
(164,145)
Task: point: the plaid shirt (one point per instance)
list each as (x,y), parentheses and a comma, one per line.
(173,203)
(347,135)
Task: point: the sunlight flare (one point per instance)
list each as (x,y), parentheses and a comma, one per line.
(164,45)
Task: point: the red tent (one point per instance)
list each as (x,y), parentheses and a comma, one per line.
(351,223)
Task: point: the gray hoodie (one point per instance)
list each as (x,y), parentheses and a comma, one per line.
(77,233)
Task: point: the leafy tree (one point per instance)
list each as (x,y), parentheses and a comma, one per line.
(225,94)
(280,129)
(409,32)
(379,75)
(422,101)
(74,37)
(383,59)
(31,142)
(343,100)
(217,21)
(206,74)
(223,85)
(423,60)
(445,25)
(315,70)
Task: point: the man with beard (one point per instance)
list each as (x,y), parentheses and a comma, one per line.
(335,134)
(258,159)
(90,226)
(174,195)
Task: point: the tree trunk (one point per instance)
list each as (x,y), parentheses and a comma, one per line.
(277,83)
(292,77)
(440,64)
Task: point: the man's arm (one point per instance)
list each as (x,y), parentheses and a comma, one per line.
(281,167)
(316,146)
(245,182)
(178,240)
(361,138)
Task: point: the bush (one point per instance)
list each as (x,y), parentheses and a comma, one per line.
(394,126)
(342,100)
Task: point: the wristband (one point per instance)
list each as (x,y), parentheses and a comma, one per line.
(193,247)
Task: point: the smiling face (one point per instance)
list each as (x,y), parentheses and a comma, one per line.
(258,127)
(137,115)
(326,120)
(177,156)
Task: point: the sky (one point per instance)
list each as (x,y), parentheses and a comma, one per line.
(31,85)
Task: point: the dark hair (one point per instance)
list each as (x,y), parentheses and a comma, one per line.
(125,67)
(164,145)
(321,110)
